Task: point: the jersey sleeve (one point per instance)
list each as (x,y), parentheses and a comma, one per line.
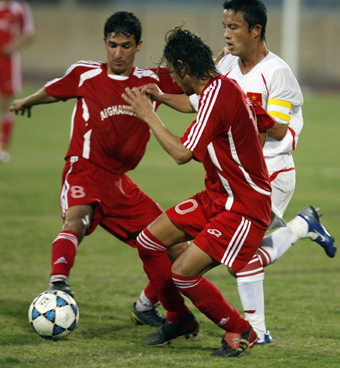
(166,83)
(194,100)
(27,26)
(284,95)
(284,105)
(211,121)
(66,87)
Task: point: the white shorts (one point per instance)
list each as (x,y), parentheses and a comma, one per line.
(282,178)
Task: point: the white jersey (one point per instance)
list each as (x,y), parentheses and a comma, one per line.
(273,85)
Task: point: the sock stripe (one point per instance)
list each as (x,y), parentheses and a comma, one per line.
(185,284)
(255,259)
(68,236)
(257,271)
(264,257)
(148,243)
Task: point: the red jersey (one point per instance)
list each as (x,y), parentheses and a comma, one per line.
(224,137)
(101,130)
(15,19)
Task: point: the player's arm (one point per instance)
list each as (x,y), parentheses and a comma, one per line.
(263,137)
(221,55)
(179,102)
(278,131)
(38,98)
(285,93)
(22,40)
(142,107)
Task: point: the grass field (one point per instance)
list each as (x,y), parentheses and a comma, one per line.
(302,288)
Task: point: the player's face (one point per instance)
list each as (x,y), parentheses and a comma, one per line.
(184,83)
(121,52)
(240,40)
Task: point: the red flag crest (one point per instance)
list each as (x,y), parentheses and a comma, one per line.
(255,97)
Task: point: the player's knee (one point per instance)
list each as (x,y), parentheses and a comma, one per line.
(78,225)
(231,271)
(179,268)
(175,251)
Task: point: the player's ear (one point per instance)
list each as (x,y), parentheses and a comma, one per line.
(257,29)
(182,68)
(139,45)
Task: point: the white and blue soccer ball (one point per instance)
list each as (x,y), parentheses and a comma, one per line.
(53,314)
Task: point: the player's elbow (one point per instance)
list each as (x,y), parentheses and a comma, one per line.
(183,157)
(278,131)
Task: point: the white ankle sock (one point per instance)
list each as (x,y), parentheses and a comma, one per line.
(143,303)
(59,277)
(299,227)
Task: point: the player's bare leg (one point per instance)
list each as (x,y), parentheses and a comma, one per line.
(7,124)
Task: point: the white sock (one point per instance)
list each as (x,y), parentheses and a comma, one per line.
(59,277)
(143,303)
(299,227)
(276,244)
(252,299)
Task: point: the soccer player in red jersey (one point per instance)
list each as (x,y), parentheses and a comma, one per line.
(229,218)
(16,29)
(106,142)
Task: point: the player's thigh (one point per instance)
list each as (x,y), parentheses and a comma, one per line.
(130,211)
(80,188)
(10,75)
(283,187)
(193,262)
(230,239)
(167,232)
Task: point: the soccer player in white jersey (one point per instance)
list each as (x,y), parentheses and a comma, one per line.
(228,219)
(106,142)
(16,30)
(267,80)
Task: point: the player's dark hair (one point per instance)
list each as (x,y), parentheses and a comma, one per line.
(254,12)
(190,49)
(124,23)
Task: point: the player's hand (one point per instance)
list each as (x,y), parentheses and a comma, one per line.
(20,106)
(221,55)
(140,103)
(153,91)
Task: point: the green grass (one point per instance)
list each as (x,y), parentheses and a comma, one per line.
(302,289)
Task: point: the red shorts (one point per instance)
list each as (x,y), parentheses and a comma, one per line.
(227,237)
(10,74)
(122,208)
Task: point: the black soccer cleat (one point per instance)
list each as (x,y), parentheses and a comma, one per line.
(234,344)
(149,317)
(62,286)
(169,331)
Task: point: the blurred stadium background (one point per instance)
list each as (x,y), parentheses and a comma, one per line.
(72,30)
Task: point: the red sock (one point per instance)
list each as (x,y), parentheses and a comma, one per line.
(264,257)
(158,268)
(64,250)
(253,271)
(209,300)
(6,130)
(150,293)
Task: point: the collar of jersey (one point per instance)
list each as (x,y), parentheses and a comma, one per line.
(118,77)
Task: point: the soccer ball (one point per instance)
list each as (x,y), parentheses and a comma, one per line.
(53,314)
